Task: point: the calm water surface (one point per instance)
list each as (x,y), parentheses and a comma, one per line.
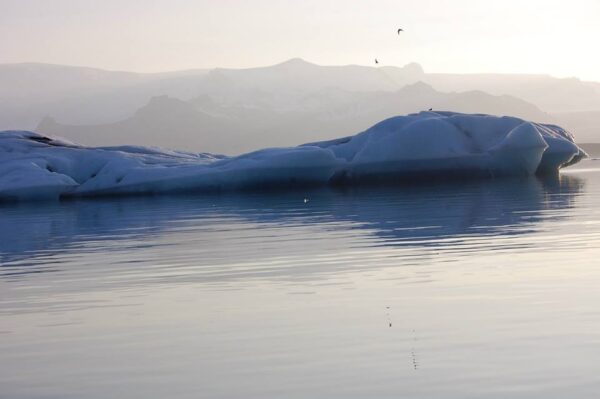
(477,290)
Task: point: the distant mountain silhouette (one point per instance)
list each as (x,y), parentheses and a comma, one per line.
(297,75)
(32,91)
(229,126)
(548,93)
(585,124)
(164,121)
(287,103)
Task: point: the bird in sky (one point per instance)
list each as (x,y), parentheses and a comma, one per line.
(400,30)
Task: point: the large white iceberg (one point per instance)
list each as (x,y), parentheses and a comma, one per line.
(416,146)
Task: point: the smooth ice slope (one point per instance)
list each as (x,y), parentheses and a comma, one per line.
(404,147)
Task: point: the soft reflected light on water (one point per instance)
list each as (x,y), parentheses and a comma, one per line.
(483,289)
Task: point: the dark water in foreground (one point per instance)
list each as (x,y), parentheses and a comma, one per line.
(486,289)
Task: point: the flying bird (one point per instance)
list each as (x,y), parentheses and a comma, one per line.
(400,30)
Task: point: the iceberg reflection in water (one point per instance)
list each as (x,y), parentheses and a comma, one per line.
(420,215)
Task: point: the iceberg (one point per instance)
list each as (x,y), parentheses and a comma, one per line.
(412,147)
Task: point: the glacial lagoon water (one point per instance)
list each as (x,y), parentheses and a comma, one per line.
(486,289)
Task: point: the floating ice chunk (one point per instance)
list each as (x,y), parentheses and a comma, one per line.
(415,146)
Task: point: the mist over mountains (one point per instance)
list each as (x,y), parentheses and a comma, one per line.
(236,110)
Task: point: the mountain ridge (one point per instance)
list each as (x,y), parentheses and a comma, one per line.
(203,124)
(96,97)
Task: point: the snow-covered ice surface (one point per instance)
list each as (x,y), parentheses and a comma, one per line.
(416,146)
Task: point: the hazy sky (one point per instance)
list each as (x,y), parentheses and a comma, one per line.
(545,36)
